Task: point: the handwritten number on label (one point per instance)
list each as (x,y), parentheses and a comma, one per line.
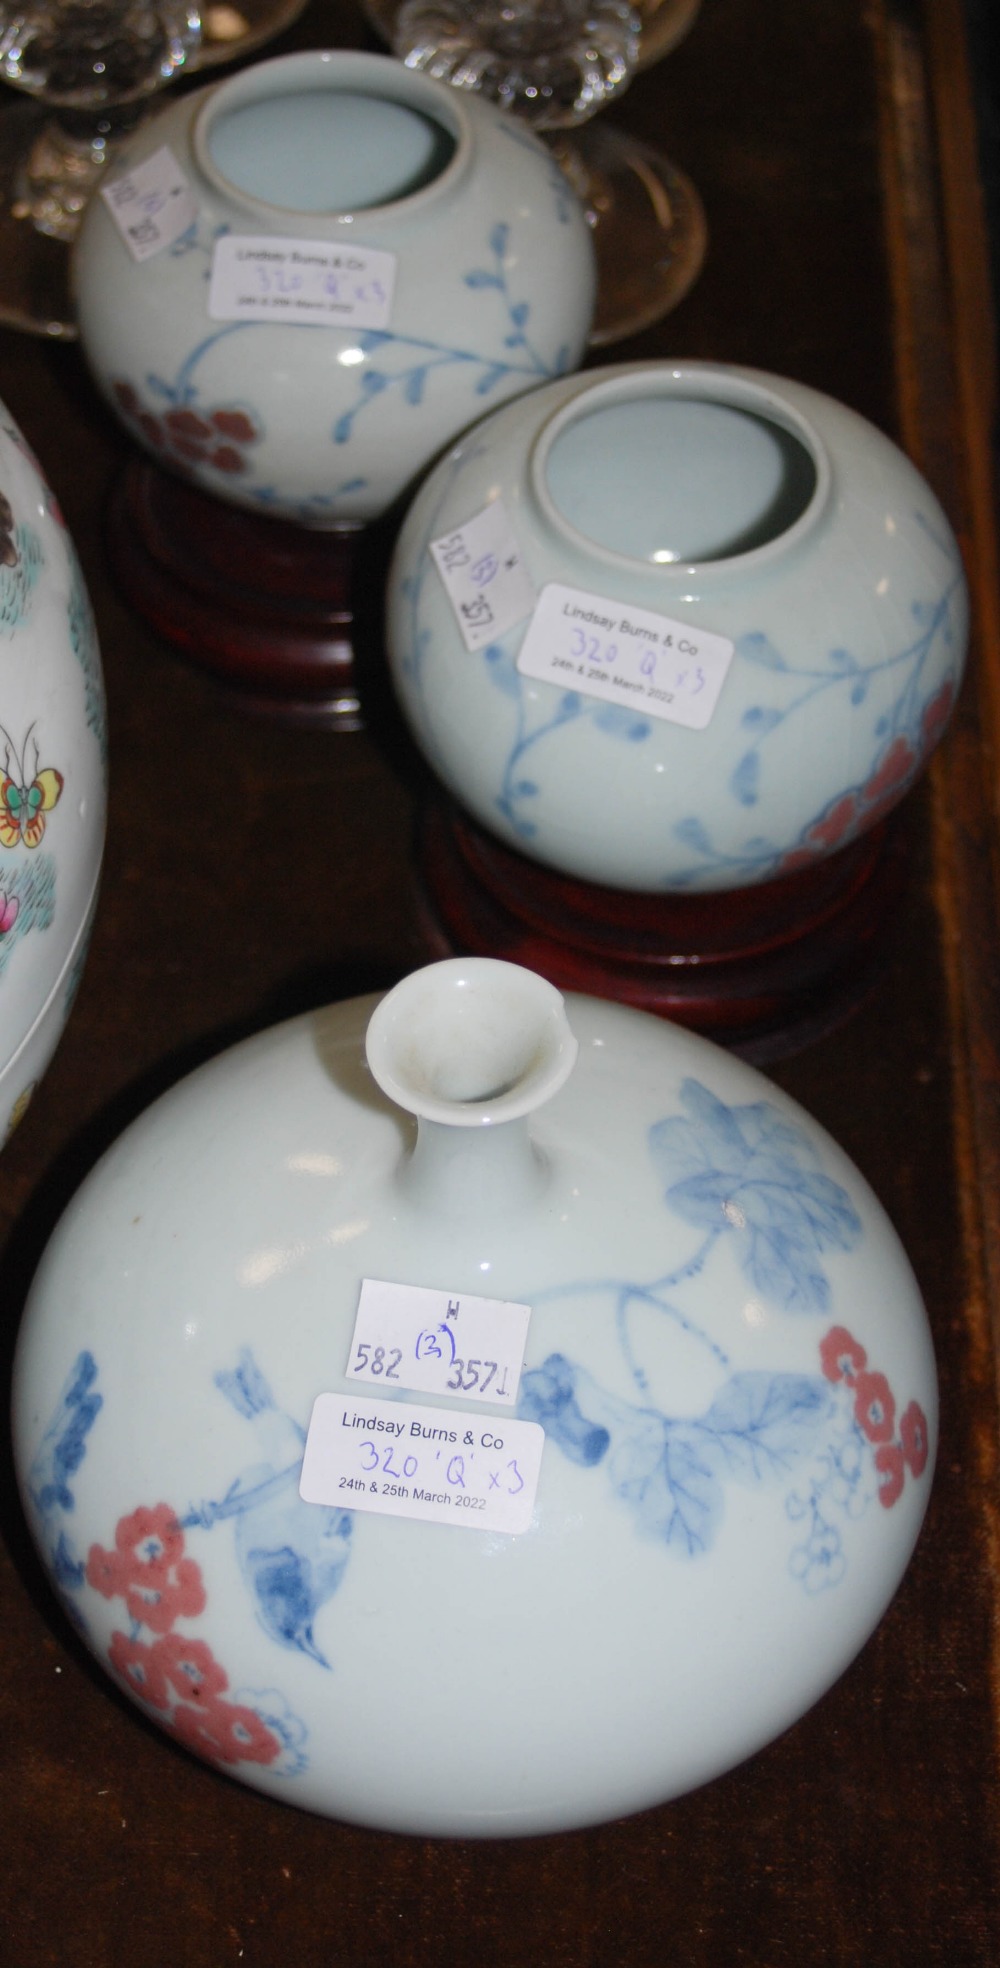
(376,1364)
(468,1374)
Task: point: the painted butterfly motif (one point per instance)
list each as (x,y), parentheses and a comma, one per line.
(28,792)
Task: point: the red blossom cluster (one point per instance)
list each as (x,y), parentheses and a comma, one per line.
(843,1359)
(214,438)
(865,805)
(179,1677)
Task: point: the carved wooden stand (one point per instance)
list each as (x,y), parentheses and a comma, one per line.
(266,607)
(762,969)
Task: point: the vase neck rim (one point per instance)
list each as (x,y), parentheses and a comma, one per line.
(752,393)
(471,1042)
(337,72)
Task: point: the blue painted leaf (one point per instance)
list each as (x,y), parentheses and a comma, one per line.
(749,1172)
(414,389)
(502,669)
(745,779)
(498,239)
(526,789)
(373,382)
(480,278)
(843,659)
(758,648)
(760,720)
(762,1423)
(491,377)
(859,692)
(618,721)
(694,834)
(519,313)
(663,1472)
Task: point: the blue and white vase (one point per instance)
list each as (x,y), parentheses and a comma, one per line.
(738,627)
(504,1435)
(52,773)
(302,281)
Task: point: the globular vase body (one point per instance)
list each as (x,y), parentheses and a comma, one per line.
(368,262)
(52,773)
(705,1478)
(743,628)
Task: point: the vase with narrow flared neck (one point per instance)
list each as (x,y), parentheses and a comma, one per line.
(473,1044)
(465,1352)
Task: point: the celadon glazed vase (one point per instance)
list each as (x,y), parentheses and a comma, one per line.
(551,1370)
(52,775)
(302,281)
(676,627)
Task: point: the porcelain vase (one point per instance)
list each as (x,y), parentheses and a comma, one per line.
(677,628)
(304,279)
(499,1436)
(52,773)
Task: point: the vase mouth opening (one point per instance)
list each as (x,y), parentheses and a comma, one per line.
(471,1042)
(678,467)
(325,135)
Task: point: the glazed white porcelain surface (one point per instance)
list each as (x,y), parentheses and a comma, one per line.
(727,1353)
(52,780)
(328,424)
(731,502)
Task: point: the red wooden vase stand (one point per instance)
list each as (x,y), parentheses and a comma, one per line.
(763,969)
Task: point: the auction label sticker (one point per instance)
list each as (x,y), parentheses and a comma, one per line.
(436,1464)
(484,576)
(152,204)
(625,655)
(438,1342)
(300,281)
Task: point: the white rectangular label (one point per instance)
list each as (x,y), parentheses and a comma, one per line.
(437,1464)
(484,575)
(152,204)
(300,281)
(438,1342)
(625,655)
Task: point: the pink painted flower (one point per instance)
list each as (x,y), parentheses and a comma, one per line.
(148,1569)
(190,1668)
(225,1732)
(892,1472)
(9,907)
(836,824)
(226,458)
(913,1436)
(186,424)
(137,1665)
(840,1355)
(874,1406)
(895,768)
(236,425)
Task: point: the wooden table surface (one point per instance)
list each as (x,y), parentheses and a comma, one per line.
(253,871)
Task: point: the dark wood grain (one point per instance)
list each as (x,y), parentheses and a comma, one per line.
(252,871)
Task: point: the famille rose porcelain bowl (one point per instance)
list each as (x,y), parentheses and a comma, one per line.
(309,1505)
(676,626)
(52,790)
(340,265)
